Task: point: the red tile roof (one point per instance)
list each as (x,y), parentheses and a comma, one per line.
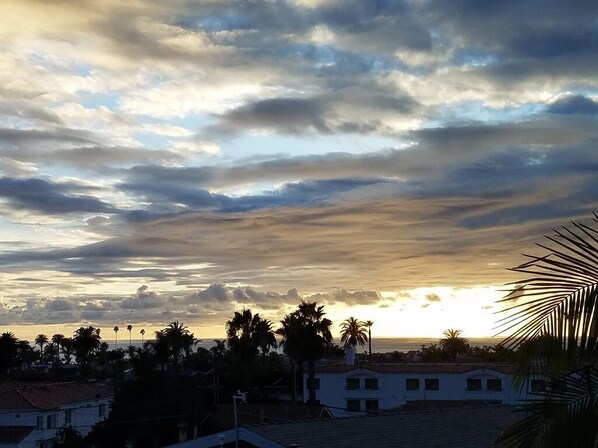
(50,396)
(418,368)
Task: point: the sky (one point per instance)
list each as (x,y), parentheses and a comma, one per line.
(390,160)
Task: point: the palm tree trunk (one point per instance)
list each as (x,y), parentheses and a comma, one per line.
(370,343)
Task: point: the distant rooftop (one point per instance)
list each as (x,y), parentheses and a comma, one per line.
(417,367)
(49,396)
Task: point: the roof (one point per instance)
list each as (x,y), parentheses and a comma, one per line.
(14,434)
(417,367)
(50,396)
(469,427)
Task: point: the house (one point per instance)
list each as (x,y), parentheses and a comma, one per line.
(474,426)
(345,387)
(31,414)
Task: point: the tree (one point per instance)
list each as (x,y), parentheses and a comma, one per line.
(305,335)
(247,334)
(58,340)
(9,350)
(553,315)
(115,337)
(41,340)
(142,333)
(86,341)
(453,343)
(67,349)
(353,332)
(369,323)
(129,329)
(177,338)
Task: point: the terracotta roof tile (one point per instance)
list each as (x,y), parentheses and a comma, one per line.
(50,396)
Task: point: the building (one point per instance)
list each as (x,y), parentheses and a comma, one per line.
(343,387)
(31,414)
(475,426)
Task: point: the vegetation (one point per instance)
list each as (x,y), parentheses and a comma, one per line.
(453,343)
(553,316)
(353,332)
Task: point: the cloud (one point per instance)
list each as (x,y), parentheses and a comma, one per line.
(432,297)
(573,104)
(143,299)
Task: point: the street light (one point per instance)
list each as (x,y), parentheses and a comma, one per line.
(243,397)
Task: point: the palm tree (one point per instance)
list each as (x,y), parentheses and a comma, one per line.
(115,337)
(453,343)
(247,334)
(58,339)
(369,323)
(8,351)
(178,338)
(353,332)
(129,329)
(306,334)
(86,342)
(553,316)
(67,349)
(142,333)
(41,340)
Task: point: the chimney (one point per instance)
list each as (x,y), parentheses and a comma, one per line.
(350,355)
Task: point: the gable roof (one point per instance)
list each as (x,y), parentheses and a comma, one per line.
(418,367)
(470,427)
(50,396)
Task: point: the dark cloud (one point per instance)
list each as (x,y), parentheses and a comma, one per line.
(574,104)
(49,197)
(143,299)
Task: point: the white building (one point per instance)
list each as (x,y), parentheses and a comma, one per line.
(385,386)
(31,415)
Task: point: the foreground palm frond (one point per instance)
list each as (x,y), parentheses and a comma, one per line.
(565,414)
(560,296)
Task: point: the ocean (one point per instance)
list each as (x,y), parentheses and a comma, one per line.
(379,345)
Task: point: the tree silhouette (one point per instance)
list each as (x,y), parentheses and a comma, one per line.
(115,337)
(58,339)
(86,341)
(553,316)
(306,335)
(9,349)
(453,343)
(369,323)
(129,329)
(142,333)
(353,332)
(41,340)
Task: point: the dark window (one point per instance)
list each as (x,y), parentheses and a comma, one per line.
(39,422)
(474,384)
(102,410)
(353,383)
(558,385)
(431,384)
(539,386)
(353,405)
(68,416)
(371,405)
(371,383)
(494,385)
(412,384)
(316,383)
(50,421)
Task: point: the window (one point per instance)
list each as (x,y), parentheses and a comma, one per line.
(353,405)
(539,386)
(316,383)
(352,383)
(371,405)
(50,421)
(558,385)
(39,422)
(68,416)
(431,384)
(412,384)
(494,385)
(102,410)
(474,384)
(371,383)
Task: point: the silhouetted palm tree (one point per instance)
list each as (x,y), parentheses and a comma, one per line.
(248,333)
(306,334)
(8,351)
(453,343)
(142,333)
(369,323)
(41,340)
(178,338)
(57,339)
(67,349)
(553,316)
(115,337)
(86,341)
(353,332)
(129,329)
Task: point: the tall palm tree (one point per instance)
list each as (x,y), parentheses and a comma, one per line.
(453,343)
(41,340)
(553,316)
(247,334)
(67,349)
(129,329)
(142,333)
(369,323)
(305,335)
(178,338)
(58,339)
(353,332)
(86,342)
(8,351)
(115,337)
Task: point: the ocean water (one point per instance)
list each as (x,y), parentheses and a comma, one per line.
(379,345)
